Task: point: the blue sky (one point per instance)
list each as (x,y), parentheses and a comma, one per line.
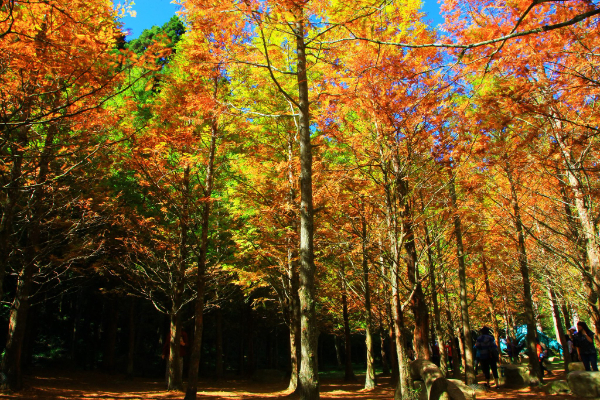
(148,14)
(157,12)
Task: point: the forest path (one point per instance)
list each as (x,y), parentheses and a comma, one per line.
(69,385)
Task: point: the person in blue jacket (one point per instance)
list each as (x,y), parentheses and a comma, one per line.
(488,354)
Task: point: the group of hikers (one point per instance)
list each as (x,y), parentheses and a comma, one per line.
(580,342)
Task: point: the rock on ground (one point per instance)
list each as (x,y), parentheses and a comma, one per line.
(516,376)
(575,366)
(584,384)
(556,387)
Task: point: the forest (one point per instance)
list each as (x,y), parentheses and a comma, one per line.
(295,186)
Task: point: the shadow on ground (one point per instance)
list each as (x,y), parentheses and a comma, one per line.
(69,385)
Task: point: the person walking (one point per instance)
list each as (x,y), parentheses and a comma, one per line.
(449,353)
(542,355)
(583,339)
(488,354)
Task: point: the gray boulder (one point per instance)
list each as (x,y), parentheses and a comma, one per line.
(516,376)
(575,366)
(584,384)
(556,387)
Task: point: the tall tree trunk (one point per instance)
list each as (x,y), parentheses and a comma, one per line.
(174,372)
(174,378)
(400,359)
(392,347)
(385,366)
(11,363)
(348,372)
(194,368)
(293,300)
(462,279)
(13,194)
(370,373)
(490,298)
(456,354)
(565,312)
(440,333)
(536,376)
(589,230)
(386,336)
(418,302)
(404,384)
(294,326)
(309,368)
(338,351)
(558,325)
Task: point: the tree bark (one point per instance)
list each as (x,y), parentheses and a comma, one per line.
(536,376)
(174,378)
(565,311)
(385,366)
(587,223)
(491,304)
(404,384)
(293,299)
(11,363)
(194,368)
(309,369)
(174,373)
(456,354)
(558,325)
(370,373)
(418,302)
(294,326)
(387,336)
(13,194)
(462,279)
(440,333)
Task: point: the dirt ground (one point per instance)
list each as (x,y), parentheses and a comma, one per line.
(94,385)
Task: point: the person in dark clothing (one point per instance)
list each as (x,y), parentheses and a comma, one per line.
(583,339)
(488,354)
(571,346)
